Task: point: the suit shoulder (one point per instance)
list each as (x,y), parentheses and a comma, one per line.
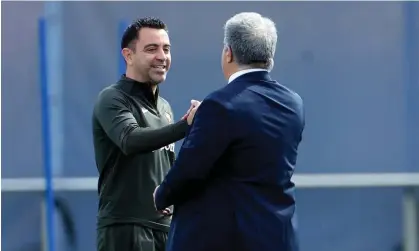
(298,103)
(293,95)
(222,94)
(219,96)
(297,98)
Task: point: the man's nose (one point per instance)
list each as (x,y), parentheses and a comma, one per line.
(161,55)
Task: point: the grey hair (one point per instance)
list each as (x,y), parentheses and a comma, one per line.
(252,39)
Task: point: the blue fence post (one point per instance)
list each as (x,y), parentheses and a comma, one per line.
(49,192)
(411,66)
(121,62)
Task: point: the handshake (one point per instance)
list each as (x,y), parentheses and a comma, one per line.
(190,114)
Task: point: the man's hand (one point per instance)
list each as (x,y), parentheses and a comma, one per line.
(194,103)
(165,212)
(192,115)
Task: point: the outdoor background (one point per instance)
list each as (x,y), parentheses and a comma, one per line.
(355,64)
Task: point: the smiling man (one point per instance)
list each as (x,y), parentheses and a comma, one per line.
(134,135)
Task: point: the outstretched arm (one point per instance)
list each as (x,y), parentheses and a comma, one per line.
(115,117)
(207,140)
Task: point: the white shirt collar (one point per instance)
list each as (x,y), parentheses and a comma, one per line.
(242,72)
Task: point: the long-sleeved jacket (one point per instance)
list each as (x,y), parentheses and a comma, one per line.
(133,135)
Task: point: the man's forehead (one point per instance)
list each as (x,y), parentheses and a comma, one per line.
(153,36)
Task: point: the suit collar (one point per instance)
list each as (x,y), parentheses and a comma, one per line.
(250,74)
(242,72)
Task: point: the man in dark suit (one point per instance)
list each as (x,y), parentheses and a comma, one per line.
(231,184)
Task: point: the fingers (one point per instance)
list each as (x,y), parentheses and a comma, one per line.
(193,111)
(194,104)
(190,109)
(166,212)
(191,115)
(187,113)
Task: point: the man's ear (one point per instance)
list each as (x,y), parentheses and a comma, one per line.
(229,54)
(127,54)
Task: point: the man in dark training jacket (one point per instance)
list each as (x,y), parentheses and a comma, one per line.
(134,134)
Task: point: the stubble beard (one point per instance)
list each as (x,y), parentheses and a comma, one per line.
(155,83)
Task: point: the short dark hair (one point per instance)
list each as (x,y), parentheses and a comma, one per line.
(131,32)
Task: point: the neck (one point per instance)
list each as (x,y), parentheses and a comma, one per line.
(242,68)
(130,74)
(153,88)
(237,69)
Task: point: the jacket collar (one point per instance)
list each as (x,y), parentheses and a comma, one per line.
(134,87)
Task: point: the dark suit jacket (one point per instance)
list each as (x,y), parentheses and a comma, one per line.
(231,183)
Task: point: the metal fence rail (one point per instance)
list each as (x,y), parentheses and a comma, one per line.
(408,181)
